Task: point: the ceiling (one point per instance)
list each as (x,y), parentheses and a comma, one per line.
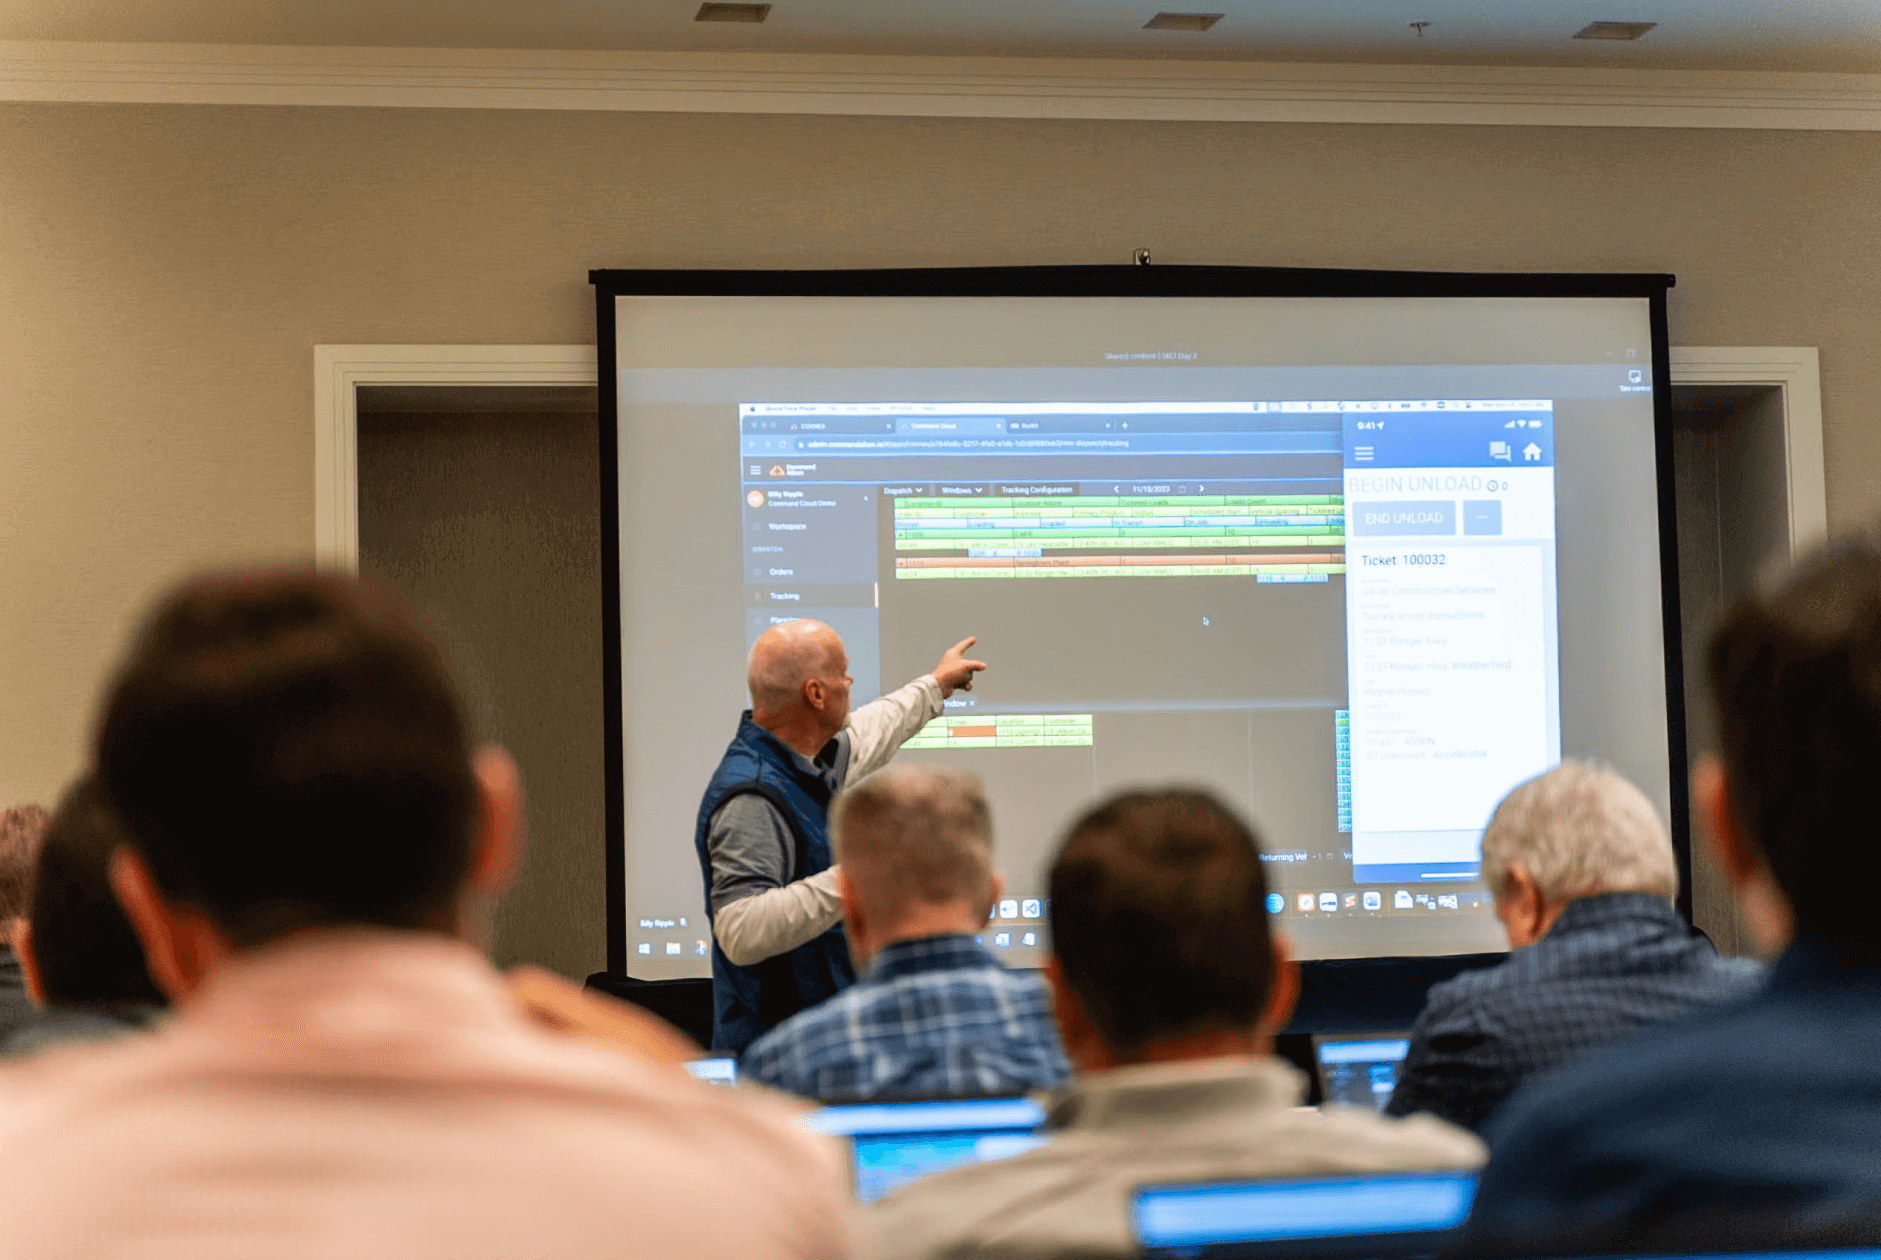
(1787,35)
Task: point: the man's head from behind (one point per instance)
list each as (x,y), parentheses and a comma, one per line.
(1576,831)
(77,949)
(799,680)
(915,845)
(285,751)
(1161,948)
(1796,674)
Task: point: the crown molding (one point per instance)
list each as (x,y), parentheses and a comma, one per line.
(971,87)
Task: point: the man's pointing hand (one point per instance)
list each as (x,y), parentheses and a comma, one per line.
(956,670)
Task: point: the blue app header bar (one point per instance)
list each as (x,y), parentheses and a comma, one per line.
(1447,439)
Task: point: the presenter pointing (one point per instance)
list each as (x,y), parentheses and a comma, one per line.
(763,829)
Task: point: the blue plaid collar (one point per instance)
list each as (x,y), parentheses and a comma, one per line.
(955,951)
(1604,911)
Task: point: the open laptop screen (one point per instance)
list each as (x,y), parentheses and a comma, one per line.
(1359,1069)
(893,1143)
(1374,1214)
(714,1070)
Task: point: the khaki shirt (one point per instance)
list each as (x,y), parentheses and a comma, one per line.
(1207,1120)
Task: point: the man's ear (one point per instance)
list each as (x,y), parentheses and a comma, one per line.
(1711,792)
(855,919)
(846,889)
(1285,993)
(994,892)
(497,846)
(1083,1044)
(181,945)
(1766,910)
(20,936)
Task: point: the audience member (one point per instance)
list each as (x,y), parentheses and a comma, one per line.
(313,844)
(762,831)
(1758,1122)
(934,1013)
(82,964)
(1170,988)
(1583,875)
(22,830)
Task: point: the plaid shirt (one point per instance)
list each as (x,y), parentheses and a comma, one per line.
(933,1017)
(1611,965)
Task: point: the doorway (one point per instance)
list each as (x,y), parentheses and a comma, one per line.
(1731,482)
(480,505)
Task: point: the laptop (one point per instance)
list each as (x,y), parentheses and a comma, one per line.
(1359,1069)
(1368,1216)
(893,1143)
(716,1070)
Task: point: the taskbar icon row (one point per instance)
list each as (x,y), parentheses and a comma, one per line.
(1372,901)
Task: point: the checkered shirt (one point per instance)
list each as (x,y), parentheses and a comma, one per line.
(933,1017)
(1611,965)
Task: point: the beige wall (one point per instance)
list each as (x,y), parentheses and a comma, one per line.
(165,273)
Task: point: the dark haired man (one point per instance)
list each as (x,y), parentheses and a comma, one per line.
(82,963)
(313,843)
(1170,987)
(1756,1124)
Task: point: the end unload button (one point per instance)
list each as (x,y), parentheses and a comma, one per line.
(1402,517)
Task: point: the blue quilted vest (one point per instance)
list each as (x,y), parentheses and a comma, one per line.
(749,1001)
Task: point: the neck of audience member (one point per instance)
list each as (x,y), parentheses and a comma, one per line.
(962,917)
(1527,913)
(1088,1051)
(184,947)
(798,727)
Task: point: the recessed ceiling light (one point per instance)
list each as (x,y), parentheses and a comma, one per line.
(1614,30)
(1182,22)
(715,12)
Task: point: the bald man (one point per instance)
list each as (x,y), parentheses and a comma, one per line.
(763,829)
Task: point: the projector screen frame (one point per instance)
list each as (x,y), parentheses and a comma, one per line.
(1105,281)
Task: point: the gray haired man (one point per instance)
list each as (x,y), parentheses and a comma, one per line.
(1583,875)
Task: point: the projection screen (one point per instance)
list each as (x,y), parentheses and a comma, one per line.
(1358,552)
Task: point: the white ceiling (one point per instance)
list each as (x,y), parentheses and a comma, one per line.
(1789,35)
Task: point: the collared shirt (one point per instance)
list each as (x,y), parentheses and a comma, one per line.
(929,1017)
(1204,1120)
(1760,1119)
(751,850)
(380,1094)
(1611,965)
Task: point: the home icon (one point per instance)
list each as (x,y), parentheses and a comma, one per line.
(1531,451)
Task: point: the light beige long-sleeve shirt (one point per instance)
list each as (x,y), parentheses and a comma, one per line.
(368,1095)
(1206,1120)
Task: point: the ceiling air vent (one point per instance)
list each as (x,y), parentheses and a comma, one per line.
(1614,30)
(1182,22)
(714,12)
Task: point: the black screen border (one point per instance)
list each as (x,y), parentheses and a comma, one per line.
(1111,282)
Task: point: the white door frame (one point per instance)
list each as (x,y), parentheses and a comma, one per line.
(1796,370)
(339,370)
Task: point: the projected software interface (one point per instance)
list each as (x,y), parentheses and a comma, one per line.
(1355,566)
(1358,595)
